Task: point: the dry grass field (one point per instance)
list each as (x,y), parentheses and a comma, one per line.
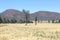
(41,31)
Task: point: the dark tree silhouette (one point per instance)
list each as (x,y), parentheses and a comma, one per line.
(48,21)
(59,21)
(36,20)
(0,19)
(52,21)
(26,16)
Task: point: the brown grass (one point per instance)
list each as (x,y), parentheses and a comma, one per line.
(41,31)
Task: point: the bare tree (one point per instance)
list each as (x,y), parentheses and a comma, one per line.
(26,16)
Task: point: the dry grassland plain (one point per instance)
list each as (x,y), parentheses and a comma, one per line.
(41,31)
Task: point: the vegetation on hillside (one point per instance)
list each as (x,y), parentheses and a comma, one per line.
(26,19)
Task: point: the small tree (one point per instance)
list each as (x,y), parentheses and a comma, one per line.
(26,16)
(52,21)
(0,19)
(59,21)
(36,20)
(48,21)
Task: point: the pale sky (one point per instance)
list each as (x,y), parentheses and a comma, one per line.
(32,5)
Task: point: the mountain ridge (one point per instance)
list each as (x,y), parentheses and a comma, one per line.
(42,15)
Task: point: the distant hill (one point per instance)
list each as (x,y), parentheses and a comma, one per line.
(42,15)
(12,13)
(45,15)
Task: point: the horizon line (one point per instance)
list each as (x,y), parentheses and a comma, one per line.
(28,10)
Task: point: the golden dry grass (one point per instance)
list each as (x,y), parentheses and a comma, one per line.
(41,31)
